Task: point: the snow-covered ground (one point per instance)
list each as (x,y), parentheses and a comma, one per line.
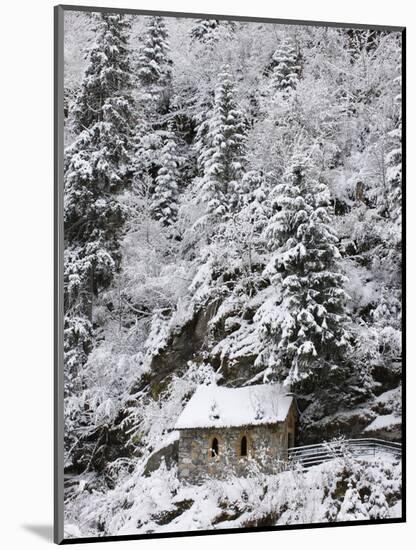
(344,489)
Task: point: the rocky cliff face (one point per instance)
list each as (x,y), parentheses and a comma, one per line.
(184,344)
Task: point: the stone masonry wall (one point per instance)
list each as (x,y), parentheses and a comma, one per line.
(266,444)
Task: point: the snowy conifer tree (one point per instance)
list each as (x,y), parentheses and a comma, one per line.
(154,70)
(394,164)
(223,160)
(153,73)
(206,30)
(107,75)
(303,325)
(96,170)
(201,142)
(165,198)
(78,343)
(286,68)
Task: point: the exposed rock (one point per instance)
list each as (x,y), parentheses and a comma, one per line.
(387,377)
(386,426)
(182,346)
(350,424)
(165,517)
(167,454)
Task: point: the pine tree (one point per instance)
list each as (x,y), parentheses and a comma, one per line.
(107,75)
(223,162)
(204,30)
(394,165)
(154,66)
(147,145)
(304,324)
(165,198)
(154,93)
(207,30)
(97,170)
(201,143)
(286,68)
(78,344)
(254,207)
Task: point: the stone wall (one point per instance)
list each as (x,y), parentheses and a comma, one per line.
(266,445)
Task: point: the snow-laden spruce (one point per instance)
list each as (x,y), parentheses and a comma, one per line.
(209,31)
(286,68)
(153,90)
(154,64)
(223,158)
(97,172)
(303,325)
(166,193)
(98,166)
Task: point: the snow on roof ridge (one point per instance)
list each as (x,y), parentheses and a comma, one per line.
(221,406)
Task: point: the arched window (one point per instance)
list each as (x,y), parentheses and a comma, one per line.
(243,446)
(214,448)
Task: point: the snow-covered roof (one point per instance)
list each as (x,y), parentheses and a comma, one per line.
(220,407)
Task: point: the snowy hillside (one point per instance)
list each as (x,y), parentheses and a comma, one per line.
(232,215)
(340,490)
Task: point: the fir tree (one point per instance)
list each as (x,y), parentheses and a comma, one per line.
(154,93)
(304,326)
(394,164)
(97,170)
(107,75)
(78,343)
(286,68)
(201,137)
(206,30)
(165,198)
(154,66)
(254,207)
(223,162)
(147,144)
